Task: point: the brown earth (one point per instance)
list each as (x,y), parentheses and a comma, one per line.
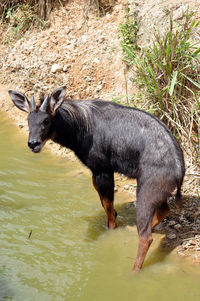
(87,52)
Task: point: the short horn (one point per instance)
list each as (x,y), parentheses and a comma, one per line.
(45,104)
(33,105)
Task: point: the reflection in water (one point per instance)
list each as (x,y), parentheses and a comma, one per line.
(70,255)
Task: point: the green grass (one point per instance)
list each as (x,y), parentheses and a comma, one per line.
(168,73)
(18,18)
(128,37)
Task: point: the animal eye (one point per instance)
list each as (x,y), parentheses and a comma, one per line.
(46,121)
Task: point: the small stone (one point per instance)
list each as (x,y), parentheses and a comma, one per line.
(126,187)
(130,205)
(65,68)
(171,223)
(68,29)
(96,61)
(84,38)
(198,249)
(45,88)
(56,68)
(171,236)
(99,87)
(177,227)
(180,253)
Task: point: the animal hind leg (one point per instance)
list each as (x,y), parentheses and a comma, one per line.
(145,240)
(104,184)
(145,211)
(143,247)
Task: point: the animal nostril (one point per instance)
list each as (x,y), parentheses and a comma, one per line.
(33,144)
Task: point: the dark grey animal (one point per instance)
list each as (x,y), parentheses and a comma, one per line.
(109,138)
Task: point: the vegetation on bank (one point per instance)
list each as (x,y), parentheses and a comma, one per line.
(41,8)
(169,74)
(19,17)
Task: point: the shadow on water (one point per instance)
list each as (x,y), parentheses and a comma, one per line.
(126,219)
(126,216)
(188,220)
(187,217)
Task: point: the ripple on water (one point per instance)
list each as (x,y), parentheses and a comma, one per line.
(70,255)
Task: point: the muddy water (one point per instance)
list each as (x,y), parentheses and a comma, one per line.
(70,255)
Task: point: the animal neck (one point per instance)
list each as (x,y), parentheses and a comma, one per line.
(69,127)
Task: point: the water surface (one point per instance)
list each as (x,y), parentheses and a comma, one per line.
(70,255)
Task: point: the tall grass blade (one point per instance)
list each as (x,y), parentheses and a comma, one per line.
(192,81)
(173,83)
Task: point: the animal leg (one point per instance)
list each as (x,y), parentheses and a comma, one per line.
(160,214)
(104,184)
(143,247)
(147,219)
(144,215)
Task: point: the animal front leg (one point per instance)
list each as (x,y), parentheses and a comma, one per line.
(104,184)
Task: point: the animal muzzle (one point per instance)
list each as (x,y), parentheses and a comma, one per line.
(35,146)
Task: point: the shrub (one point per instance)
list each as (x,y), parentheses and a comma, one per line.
(128,35)
(169,73)
(20,17)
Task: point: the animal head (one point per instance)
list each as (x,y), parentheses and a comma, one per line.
(39,117)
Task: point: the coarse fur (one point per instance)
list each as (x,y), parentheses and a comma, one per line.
(107,138)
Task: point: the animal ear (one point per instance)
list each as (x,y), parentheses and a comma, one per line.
(20,100)
(57,98)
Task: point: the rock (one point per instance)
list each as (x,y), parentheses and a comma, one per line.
(130,205)
(137,3)
(96,60)
(177,227)
(171,223)
(126,187)
(65,68)
(37,86)
(171,236)
(45,88)
(181,253)
(84,38)
(56,68)
(68,29)
(99,86)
